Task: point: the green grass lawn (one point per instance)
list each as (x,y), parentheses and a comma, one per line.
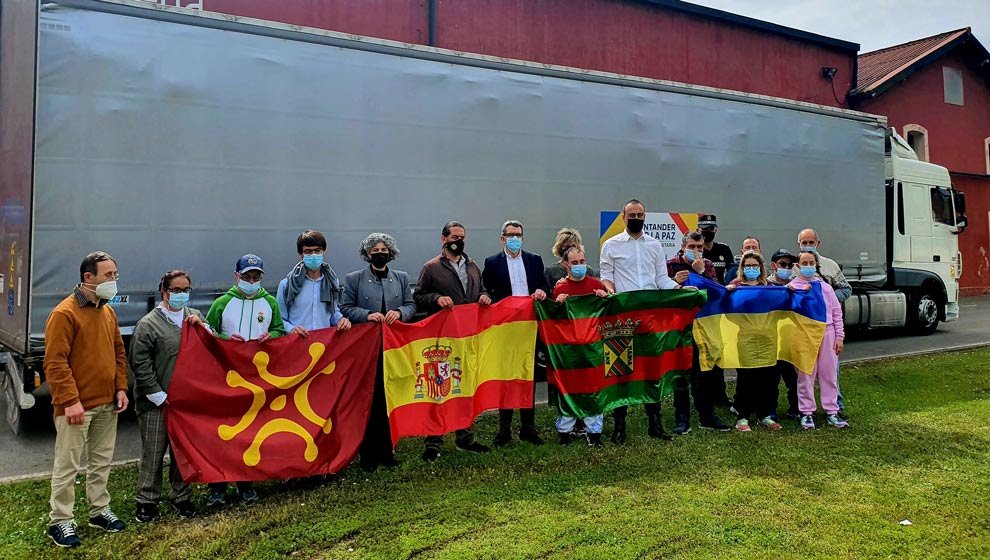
(918,449)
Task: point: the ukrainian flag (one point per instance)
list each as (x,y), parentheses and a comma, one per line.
(756,326)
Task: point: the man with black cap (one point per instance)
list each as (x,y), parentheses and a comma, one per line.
(701,383)
(781,265)
(719,253)
(721,256)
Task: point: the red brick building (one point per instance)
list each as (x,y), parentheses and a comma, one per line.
(663,39)
(936,92)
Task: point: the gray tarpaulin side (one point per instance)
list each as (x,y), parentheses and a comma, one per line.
(174,145)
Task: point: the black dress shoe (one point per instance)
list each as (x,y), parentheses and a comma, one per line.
(529,435)
(474,447)
(145,513)
(594,440)
(390,462)
(564,438)
(186,509)
(619,433)
(656,431)
(714,423)
(502,438)
(431,454)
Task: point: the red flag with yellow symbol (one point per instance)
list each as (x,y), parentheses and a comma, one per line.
(285,408)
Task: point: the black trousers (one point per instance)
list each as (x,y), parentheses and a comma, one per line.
(623,411)
(527,418)
(703,386)
(376,446)
(789,375)
(756,392)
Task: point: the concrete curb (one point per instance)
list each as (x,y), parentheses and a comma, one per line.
(543,400)
(916,353)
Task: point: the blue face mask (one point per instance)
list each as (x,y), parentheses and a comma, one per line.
(248,288)
(513,244)
(808,271)
(784,273)
(578,271)
(313,262)
(689,255)
(809,248)
(178,301)
(751,272)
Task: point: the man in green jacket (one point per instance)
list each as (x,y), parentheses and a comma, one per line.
(245,312)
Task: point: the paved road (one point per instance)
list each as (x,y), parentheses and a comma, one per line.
(31,453)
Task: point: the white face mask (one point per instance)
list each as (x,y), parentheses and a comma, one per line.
(106,290)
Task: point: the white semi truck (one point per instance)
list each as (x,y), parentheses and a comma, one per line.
(178,138)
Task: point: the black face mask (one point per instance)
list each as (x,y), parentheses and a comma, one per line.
(379,260)
(455,247)
(709,236)
(634,225)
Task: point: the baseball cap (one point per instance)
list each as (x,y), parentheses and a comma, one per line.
(781,253)
(707,221)
(249,262)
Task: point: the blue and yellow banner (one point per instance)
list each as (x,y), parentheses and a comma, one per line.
(757,326)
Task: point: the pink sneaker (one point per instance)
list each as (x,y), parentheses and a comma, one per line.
(743,425)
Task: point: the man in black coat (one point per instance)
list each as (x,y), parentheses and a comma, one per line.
(514,272)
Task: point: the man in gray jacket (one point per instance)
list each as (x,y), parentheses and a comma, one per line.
(154,349)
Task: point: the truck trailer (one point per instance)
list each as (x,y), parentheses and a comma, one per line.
(176,138)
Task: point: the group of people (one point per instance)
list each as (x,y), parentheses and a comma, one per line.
(87,367)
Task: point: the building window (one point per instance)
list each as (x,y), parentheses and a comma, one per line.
(917,138)
(953,85)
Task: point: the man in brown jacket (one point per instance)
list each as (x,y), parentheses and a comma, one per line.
(86,370)
(451,278)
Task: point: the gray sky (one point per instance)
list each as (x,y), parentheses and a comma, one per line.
(874,24)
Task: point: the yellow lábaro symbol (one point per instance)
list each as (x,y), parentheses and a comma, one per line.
(300,397)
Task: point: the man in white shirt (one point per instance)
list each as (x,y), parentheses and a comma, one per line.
(634,261)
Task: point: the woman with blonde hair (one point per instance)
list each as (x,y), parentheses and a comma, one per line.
(756,388)
(566,238)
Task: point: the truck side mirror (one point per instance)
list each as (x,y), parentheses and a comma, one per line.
(961,223)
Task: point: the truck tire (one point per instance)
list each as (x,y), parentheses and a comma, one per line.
(923,314)
(12,413)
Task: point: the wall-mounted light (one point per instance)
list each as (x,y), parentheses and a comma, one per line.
(828,72)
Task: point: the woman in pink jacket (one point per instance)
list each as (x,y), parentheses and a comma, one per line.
(826,367)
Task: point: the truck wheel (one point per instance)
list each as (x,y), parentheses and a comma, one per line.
(923,314)
(12,408)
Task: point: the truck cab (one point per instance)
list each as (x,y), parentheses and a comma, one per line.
(925,216)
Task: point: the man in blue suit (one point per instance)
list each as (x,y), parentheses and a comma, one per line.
(514,272)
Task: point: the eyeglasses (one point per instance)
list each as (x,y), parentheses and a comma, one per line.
(179,290)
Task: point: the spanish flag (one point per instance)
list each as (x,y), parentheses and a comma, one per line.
(757,326)
(619,350)
(445,370)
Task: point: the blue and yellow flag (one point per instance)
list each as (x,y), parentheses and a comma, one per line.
(756,326)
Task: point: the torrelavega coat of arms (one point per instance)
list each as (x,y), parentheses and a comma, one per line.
(617,339)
